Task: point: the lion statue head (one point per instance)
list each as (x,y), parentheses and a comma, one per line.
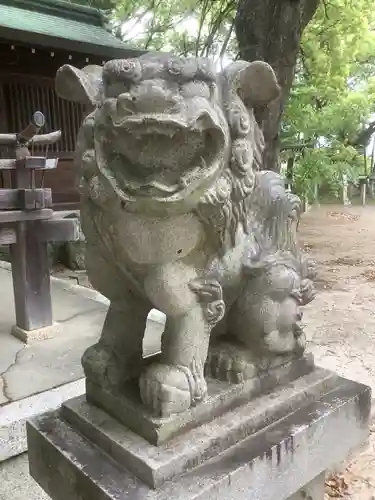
(169,134)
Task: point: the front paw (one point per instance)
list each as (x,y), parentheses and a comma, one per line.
(100,366)
(168,389)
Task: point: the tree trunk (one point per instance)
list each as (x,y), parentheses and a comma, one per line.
(271,30)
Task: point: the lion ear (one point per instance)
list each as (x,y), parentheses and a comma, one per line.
(78,85)
(255,82)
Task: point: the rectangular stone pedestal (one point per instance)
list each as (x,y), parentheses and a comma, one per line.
(275,447)
(222,397)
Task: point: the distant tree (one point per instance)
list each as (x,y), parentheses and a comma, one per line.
(323,52)
(271,30)
(332,101)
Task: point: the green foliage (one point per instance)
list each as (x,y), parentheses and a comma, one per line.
(325,167)
(187,27)
(333,98)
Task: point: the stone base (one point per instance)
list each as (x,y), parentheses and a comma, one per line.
(312,491)
(274,447)
(126,405)
(29,336)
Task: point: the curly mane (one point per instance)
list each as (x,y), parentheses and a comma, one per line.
(226,204)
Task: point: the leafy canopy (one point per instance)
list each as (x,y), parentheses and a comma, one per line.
(332,102)
(330,114)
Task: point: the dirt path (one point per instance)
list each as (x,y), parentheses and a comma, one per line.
(342,240)
(340,323)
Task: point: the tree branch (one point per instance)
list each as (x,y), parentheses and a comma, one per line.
(325,6)
(363,138)
(225,43)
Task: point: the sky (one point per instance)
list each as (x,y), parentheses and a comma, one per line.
(133,30)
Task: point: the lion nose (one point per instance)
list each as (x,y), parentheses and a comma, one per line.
(152,97)
(299,316)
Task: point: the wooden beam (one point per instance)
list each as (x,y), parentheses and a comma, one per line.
(19,215)
(41,139)
(47,164)
(17,199)
(37,162)
(51,230)
(7,164)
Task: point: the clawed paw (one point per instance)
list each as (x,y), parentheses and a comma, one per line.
(231,363)
(168,389)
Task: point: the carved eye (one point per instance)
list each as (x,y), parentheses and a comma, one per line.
(122,69)
(206,70)
(182,68)
(131,69)
(175,67)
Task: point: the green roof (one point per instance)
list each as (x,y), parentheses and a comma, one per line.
(60,24)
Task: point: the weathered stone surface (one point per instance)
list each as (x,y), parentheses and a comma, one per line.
(72,254)
(13,416)
(312,491)
(127,407)
(30,336)
(177,217)
(276,462)
(155,465)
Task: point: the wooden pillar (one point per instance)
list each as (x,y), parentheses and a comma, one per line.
(25,208)
(31,277)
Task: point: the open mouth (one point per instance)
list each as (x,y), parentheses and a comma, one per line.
(155,156)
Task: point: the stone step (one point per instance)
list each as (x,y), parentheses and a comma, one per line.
(156,464)
(277,461)
(222,396)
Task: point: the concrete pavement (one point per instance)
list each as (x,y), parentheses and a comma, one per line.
(39,377)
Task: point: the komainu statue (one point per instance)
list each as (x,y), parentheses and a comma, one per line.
(178,216)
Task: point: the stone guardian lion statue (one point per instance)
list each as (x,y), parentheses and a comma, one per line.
(178,216)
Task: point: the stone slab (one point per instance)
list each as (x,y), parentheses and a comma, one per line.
(30,336)
(274,463)
(13,416)
(15,480)
(222,396)
(155,465)
(312,491)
